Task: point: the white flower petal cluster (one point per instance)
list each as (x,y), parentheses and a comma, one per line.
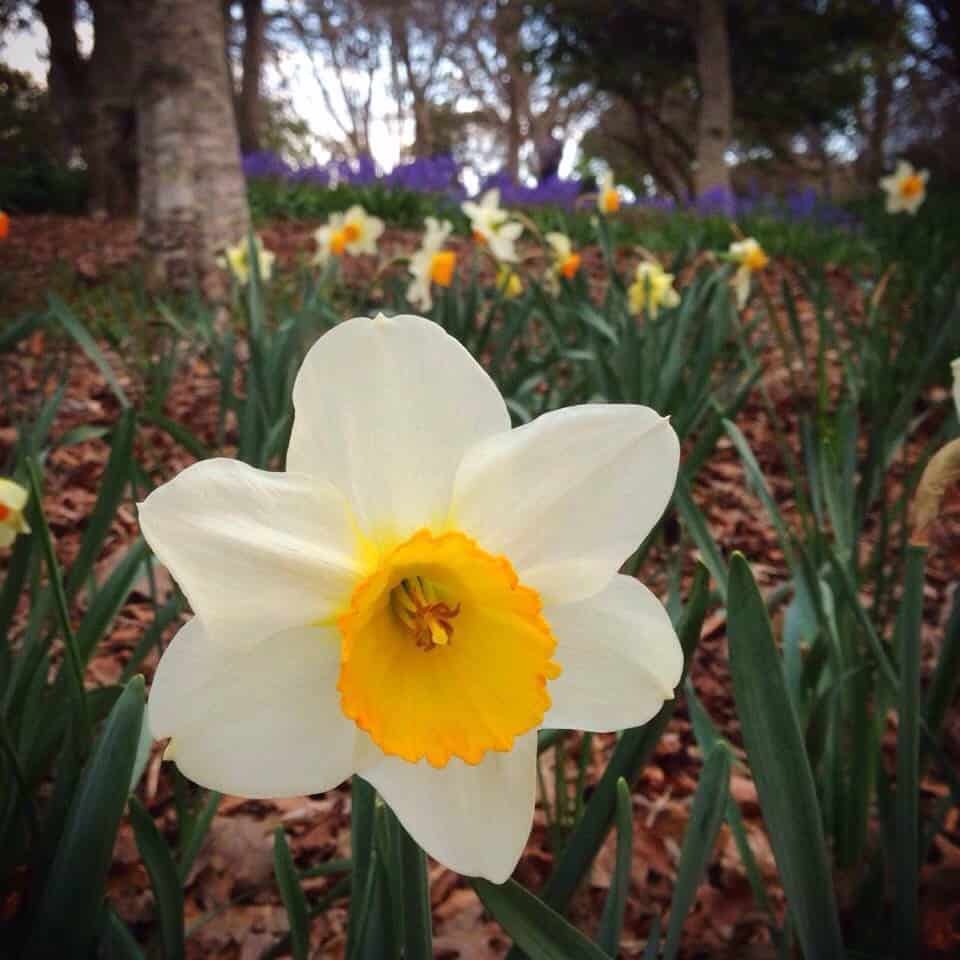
(355,231)
(906,188)
(492,225)
(431,263)
(420,591)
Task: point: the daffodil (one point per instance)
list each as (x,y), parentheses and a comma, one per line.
(652,289)
(431,264)
(749,256)
(566,262)
(509,282)
(491,224)
(13,498)
(354,231)
(906,188)
(608,197)
(420,592)
(237,260)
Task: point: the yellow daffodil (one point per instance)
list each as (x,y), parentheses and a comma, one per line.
(652,289)
(354,232)
(13,498)
(423,590)
(906,188)
(566,262)
(608,197)
(749,256)
(431,264)
(236,260)
(492,225)
(509,282)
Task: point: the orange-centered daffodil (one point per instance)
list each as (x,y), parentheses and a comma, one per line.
(608,197)
(420,592)
(431,264)
(906,188)
(566,262)
(354,231)
(749,256)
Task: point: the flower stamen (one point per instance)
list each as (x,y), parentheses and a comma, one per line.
(415,603)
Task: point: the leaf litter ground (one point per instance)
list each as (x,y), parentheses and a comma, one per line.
(232,905)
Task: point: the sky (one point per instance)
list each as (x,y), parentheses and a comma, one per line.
(26,50)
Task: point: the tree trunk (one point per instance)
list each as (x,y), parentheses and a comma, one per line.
(507,26)
(111,142)
(422,125)
(716,99)
(192,194)
(249,105)
(67,75)
(880,120)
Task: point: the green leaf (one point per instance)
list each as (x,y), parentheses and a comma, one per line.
(185,437)
(193,836)
(106,604)
(79,332)
(906,868)
(780,768)
(632,752)
(943,683)
(534,927)
(66,919)
(363,800)
(292,895)
(611,920)
(415,898)
(167,892)
(706,815)
(73,665)
(116,940)
(113,483)
(696,524)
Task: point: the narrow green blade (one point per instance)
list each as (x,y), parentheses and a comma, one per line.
(535,928)
(780,768)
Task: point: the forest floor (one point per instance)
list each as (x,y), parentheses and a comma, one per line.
(232,905)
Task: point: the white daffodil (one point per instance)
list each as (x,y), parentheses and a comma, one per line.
(420,592)
(749,256)
(431,264)
(354,231)
(236,259)
(652,289)
(906,188)
(566,262)
(13,498)
(492,225)
(608,197)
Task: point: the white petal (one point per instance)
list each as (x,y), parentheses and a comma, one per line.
(473,819)
(262,551)
(741,284)
(620,656)
(259,718)
(570,496)
(385,409)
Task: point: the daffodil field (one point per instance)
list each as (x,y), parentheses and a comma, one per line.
(455,528)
